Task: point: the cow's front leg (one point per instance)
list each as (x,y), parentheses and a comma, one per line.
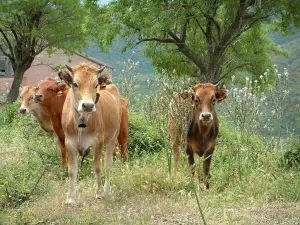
(72,170)
(206,164)
(98,168)
(108,162)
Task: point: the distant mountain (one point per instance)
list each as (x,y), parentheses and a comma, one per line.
(116,58)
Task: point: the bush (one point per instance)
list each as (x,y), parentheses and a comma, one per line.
(291,158)
(143,138)
(9,112)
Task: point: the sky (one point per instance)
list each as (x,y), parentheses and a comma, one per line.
(104,1)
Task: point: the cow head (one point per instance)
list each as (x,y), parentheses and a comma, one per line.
(27,103)
(47,89)
(84,80)
(204,98)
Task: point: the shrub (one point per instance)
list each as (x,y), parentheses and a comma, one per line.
(9,112)
(291,158)
(143,138)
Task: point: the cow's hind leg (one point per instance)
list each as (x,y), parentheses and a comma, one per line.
(72,170)
(98,168)
(176,151)
(206,165)
(108,162)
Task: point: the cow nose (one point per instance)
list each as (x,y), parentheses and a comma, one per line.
(87,106)
(22,110)
(206,116)
(37,97)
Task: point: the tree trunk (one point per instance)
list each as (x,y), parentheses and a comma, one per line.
(18,77)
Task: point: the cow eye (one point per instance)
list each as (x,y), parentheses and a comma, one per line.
(214,101)
(37,88)
(196,101)
(75,85)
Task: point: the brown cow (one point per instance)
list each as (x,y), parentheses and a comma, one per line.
(178,113)
(102,113)
(204,127)
(123,135)
(51,95)
(28,105)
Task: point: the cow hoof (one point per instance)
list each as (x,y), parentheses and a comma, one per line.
(206,185)
(99,196)
(70,201)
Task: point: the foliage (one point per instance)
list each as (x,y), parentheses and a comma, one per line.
(143,138)
(29,27)
(128,81)
(291,157)
(261,108)
(8,113)
(210,39)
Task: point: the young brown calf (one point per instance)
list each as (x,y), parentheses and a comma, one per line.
(204,128)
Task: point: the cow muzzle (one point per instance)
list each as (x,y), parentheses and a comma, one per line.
(206,117)
(22,110)
(38,97)
(86,107)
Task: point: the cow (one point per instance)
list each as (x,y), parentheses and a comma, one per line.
(101,111)
(178,113)
(50,84)
(29,106)
(123,134)
(204,127)
(51,95)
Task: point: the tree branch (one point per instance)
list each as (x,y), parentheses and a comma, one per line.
(8,44)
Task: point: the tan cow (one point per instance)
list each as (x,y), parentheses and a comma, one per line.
(28,105)
(102,113)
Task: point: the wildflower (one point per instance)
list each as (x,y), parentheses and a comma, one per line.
(261,77)
(232,78)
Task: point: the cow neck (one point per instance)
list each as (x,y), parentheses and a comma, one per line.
(43,119)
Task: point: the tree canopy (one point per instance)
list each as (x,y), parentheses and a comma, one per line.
(29,27)
(211,39)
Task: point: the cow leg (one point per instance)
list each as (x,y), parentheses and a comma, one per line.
(206,165)
(72,170)
(191,160)
(98,168)
(124,152)
(63,151)
(108,162)
(176,152)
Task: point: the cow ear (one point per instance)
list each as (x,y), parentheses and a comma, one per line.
(221,95)
(66,77)
(61,87)
(184,95)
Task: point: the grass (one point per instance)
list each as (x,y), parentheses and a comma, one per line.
(248,185)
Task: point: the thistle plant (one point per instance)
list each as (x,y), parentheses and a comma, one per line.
(253,111)
(128,81)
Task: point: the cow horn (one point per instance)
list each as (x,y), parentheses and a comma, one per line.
(101,69)
(69,68)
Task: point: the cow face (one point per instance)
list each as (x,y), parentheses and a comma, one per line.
(84,80)
(47,89)
(204,98)
(27,103)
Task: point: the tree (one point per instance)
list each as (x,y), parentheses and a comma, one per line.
(29,27)
(211,38)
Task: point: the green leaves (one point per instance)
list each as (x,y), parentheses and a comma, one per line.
(212,39)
